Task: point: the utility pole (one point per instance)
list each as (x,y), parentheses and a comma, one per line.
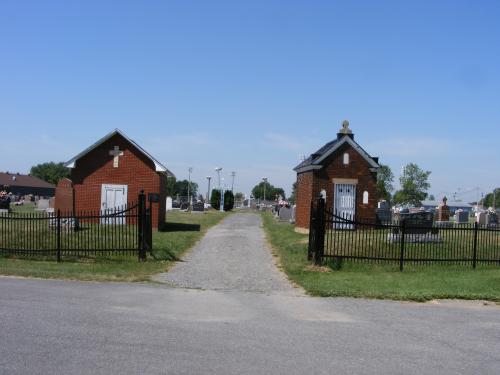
(232,183)
(189,186)
(208,190)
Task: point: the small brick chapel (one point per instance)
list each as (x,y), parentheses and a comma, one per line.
(111,173)
(344,173)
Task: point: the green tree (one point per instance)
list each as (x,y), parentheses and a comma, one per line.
(271,191)
(181,188)
(50,172)
(228,200)
(238,196)
(215,199)
(492,199)
(385,179)
(293,196)
(414,185)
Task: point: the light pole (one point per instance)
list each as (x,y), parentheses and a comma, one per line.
(189,186)
(265,182)
(208,190)
(221,208)
(232,183)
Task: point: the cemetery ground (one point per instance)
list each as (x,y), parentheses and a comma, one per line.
(181,232)
(381,281)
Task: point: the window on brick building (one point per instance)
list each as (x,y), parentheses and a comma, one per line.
(365,197)
(346,158)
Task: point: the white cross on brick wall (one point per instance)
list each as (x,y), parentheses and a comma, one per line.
(116,153)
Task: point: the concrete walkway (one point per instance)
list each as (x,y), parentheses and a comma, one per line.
(233,255)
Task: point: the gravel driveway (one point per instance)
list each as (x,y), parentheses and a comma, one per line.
(233,255)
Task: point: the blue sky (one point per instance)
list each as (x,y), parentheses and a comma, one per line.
(250,86)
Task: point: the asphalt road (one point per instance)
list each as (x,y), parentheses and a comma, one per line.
(65,327)
(245,319)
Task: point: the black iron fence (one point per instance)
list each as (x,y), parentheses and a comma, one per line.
(341,237)
(122,230)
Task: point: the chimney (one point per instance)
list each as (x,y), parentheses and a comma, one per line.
(345,130)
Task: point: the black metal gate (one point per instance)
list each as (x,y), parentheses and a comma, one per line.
(120,231)
(400,242)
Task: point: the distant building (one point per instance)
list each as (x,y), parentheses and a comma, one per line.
(453,206)
(344,173)
(25,184)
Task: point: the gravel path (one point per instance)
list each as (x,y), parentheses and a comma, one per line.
(233,255)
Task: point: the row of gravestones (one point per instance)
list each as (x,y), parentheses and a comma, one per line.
(183,205)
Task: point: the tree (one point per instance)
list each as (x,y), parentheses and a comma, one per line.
(293,196)
(492,199)
(228,200)
(385,178)
(181,188)
(238,196)
(271,191)
(432,197)
(215,199)
(50,172)
(414,185)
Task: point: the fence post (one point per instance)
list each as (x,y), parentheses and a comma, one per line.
(58,226)
(402,231)
(141,222)
(474,247)
(319,250)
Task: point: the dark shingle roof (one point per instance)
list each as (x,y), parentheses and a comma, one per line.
(316,155)
(15,179)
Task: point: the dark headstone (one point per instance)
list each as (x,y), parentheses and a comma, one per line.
(199,207)
(416,222)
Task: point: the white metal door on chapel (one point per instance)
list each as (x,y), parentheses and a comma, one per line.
(113,198)
(344,203)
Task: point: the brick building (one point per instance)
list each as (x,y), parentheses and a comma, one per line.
(25,184)
(343,172)
(111,173)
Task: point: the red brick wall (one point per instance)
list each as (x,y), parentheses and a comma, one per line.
(358,168)
(304,196)
(64,196)
(135,170)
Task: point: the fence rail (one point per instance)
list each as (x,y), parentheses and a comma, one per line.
(343,237)
(121,230)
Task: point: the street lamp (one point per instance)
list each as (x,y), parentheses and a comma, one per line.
(208,190)
(232,183)
(221,208)
(265,182)
(189,186)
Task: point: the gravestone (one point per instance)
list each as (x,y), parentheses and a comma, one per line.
(169,203)
(384,214)
(198,207)
(42,205)
(481,218)
(461,217)
(492,218)
(286,214)
(418,228)
(443,211)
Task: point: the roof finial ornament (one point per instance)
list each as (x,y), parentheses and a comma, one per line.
(345,128)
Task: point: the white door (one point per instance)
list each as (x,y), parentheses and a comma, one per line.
(344,203)
(113,200)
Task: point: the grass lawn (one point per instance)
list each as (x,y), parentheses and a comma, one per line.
(182,231)
(417,283)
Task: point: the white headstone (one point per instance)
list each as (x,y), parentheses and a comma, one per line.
(169,203)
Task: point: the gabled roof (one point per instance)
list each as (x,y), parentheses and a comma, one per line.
(158,166)
(314,161)
(24,180)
